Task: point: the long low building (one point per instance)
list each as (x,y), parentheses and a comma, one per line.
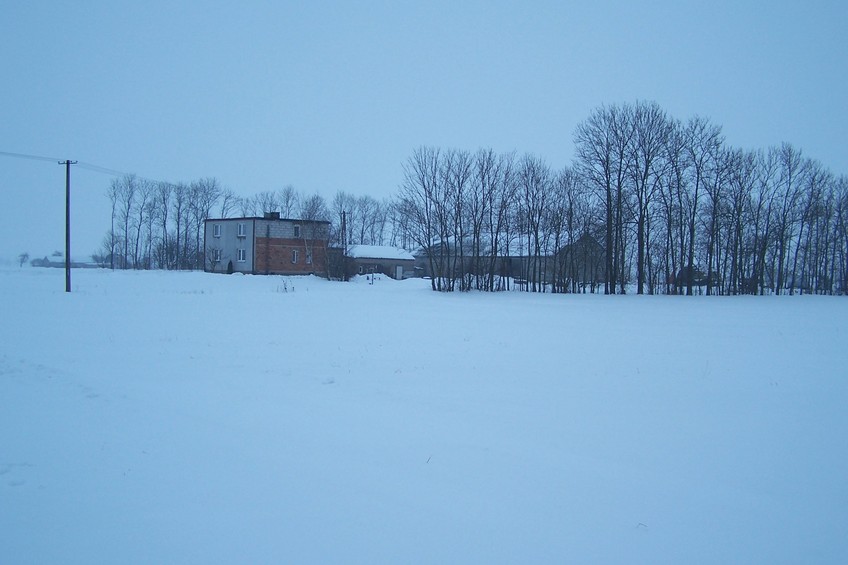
(393,262)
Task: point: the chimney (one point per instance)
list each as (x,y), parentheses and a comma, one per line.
(272,215)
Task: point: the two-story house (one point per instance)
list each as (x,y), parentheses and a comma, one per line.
(267,245)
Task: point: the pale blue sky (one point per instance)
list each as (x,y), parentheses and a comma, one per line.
(336,95)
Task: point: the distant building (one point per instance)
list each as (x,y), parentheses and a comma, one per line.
(581,264)
(59,263)
(574,267)
(267,245)
(391,261)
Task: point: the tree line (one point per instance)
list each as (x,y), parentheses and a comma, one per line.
(159,225)
(473,214)
(649,202)
(673,208)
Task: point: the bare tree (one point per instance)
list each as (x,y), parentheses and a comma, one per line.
(703,141)
(568,218)
(379,221)
(760,217)
(152,219)
(363,218)
(180,204)
(840,247)
(144,194)
(127,187)
(289,201)
(267,201)
(456,170)
(715,188)
(742,183)
(672,188)
(793,170)
(205,194)
(342,208)
(534,177)
(163,200)
(485,163)
(314,209)
(398,222)
(420,196)
(229,202)
(113,193)
(651,130)
(501,197)
(602,143)
(247,207)
(817,181)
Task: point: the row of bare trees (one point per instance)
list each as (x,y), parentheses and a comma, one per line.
(159,225)
(672,209)
(366,219)
(484,220)
(684,211)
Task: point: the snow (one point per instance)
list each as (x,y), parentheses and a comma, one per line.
(379,252)
(152,417)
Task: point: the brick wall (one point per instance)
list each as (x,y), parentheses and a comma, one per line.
(274,255)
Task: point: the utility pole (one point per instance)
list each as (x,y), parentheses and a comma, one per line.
(67,164)
(344,245)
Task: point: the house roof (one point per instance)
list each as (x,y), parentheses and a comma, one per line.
(244,218)
(379,252)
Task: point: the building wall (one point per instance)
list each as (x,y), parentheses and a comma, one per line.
(276,255)
(269,246)
(387,267)
(276,228)
(228,243)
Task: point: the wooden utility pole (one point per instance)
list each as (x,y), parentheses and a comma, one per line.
(344,245)
(67,164)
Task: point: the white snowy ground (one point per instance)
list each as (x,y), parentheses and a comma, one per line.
(194,418)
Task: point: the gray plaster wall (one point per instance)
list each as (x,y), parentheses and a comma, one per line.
(229,242)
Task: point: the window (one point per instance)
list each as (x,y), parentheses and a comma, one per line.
(216,255)
(216,230)
(297,233)
(294,255)
(242,229)
(242,255)
(308,257)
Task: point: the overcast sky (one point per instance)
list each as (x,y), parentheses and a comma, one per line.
(331,96)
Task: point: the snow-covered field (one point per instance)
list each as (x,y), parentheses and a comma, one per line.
(153,417)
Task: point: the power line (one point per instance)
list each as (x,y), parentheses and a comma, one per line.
(99,169)
(32,157)
(67,163)
(80,164)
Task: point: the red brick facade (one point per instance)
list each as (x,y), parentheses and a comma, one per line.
(281,256)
